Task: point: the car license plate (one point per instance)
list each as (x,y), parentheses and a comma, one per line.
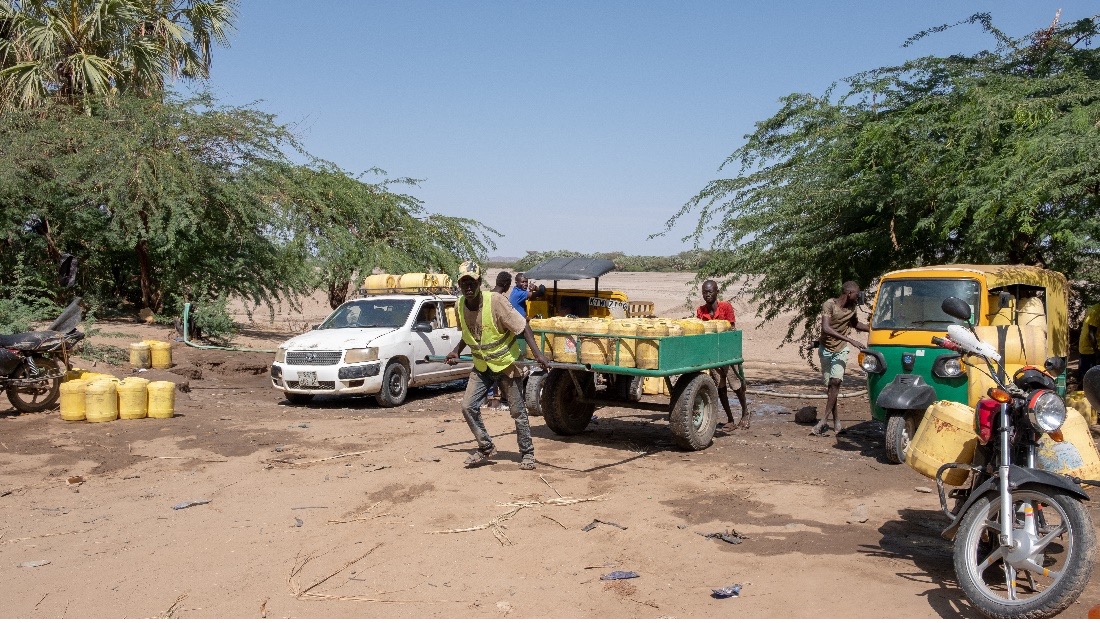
(307,379)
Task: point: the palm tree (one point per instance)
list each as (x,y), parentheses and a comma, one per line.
(72,49)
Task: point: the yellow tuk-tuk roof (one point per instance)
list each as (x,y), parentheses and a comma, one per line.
(996,275)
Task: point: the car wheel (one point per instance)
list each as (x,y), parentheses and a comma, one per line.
(395,385)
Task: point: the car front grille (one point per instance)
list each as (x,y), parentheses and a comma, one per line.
(314,357)
(320,385)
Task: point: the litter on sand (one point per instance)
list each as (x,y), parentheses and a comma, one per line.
(32,564)
(596,522)
(733,590)
(729,536)
(619,575)
(189,504)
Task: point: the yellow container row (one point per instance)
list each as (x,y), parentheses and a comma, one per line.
(97,397)
(629,346)
(151,354)
(409,282)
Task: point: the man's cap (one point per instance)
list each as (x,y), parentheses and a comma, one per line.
(469,269)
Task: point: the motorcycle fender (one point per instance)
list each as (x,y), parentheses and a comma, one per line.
(1018,476)
(907,392)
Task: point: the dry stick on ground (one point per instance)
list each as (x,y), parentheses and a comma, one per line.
(496,524)
(41,536)
(307,594)
(171,611)
(555,521)
(330,458)
(550,485)
(360,516)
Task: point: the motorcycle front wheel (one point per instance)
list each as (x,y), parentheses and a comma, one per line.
(38,396)
(1045,573)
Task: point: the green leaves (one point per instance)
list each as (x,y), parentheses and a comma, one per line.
(985,159)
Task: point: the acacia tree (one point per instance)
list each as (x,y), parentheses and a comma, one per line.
(989,158)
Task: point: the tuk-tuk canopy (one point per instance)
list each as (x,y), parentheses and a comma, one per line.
(995,276)
(557,268)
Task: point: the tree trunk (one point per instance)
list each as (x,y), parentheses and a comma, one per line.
(150,295)
(337,293)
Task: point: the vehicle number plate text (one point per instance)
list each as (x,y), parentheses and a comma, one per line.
(307,379)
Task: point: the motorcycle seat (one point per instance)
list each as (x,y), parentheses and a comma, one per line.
(31,340)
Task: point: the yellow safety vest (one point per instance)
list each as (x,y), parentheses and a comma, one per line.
(497,349)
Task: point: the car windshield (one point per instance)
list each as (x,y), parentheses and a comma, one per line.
(915,303)
(369,313)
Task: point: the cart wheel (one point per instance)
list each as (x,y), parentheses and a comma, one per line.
(532,394)
(692,416)
(563,414)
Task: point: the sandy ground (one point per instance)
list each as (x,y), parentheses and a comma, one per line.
(345,509)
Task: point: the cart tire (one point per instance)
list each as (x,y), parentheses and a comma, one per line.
(532,394)
(692,417)
(563,413)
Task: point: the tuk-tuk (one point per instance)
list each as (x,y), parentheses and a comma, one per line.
(582,303)
(1021,309)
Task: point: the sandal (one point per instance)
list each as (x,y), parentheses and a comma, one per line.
(478,457)
(528,462)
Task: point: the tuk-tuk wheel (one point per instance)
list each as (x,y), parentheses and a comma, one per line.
(692,417)
(900,428)
(560,407)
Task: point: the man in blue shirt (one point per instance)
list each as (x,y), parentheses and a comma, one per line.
(519,294)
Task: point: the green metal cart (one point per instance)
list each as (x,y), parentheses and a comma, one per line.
(566,396)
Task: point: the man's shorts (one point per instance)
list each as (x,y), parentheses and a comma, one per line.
(726,376)
(832,364)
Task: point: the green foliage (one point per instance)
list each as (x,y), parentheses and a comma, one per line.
(988,159)
(212,317)
(167,201)
(76,50)
(686,261)
(24,297)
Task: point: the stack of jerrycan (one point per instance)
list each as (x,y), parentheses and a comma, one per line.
(948,434)
(97,397)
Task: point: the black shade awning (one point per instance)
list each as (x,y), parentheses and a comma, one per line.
(571,268)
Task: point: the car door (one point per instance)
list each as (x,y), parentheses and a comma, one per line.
(423,344)
(450,334)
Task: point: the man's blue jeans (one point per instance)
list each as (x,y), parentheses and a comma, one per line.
(476,390)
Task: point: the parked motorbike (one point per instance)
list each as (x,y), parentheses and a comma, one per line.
(33,364)
(1024,542)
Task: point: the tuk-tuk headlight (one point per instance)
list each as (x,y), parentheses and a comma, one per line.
(948,367)
(872,362)
(1046,410)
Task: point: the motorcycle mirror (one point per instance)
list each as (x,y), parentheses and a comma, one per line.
(541,290)
(956,308)
(1054,365)
(1091,385)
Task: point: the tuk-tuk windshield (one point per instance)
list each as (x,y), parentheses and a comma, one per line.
(915,303)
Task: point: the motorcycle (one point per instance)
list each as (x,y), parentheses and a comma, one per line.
(33,364)
(1024,542)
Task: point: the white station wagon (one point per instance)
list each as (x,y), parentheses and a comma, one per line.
(375,345)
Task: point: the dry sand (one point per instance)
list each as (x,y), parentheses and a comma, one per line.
(345,509)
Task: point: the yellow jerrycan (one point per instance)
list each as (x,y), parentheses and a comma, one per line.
(73,407)
(162,399)
(133,401)
(101,400)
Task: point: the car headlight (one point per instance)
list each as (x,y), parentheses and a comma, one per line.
(359,355)
(1046,410)
(280,355)
(872,362)
(949,367)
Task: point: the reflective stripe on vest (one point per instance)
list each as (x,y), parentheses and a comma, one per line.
(497,349)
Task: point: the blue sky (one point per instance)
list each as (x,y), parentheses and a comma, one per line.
(566,124)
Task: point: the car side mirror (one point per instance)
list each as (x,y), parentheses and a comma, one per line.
(956,308)
(423,327)
(1004,299)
